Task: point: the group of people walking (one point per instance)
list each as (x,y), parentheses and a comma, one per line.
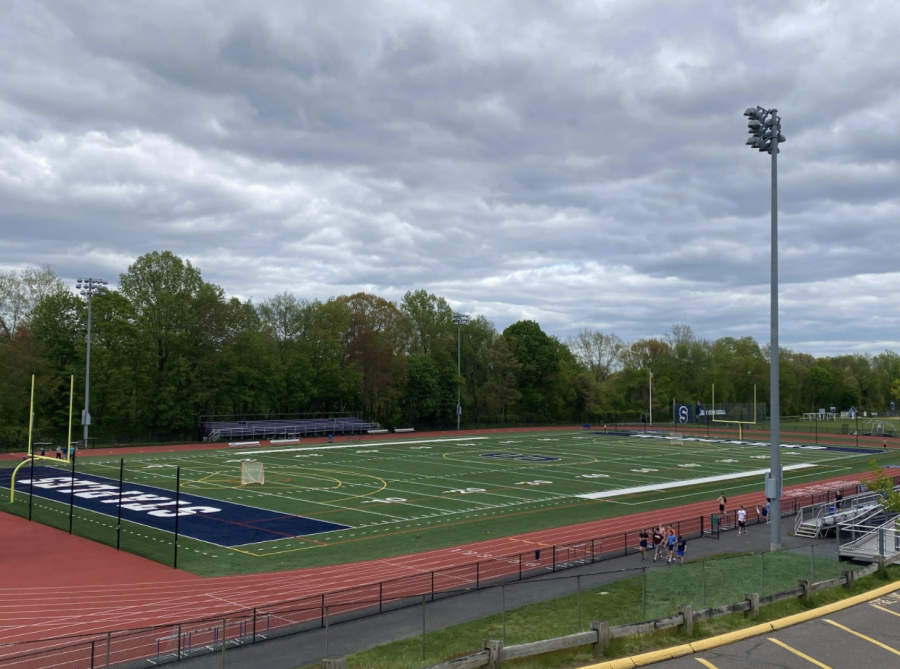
(666,544)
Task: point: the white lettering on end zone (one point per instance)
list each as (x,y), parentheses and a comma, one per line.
(135,500)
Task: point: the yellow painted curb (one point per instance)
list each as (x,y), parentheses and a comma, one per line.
(739,635)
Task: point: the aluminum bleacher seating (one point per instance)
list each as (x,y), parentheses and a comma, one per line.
(285,428)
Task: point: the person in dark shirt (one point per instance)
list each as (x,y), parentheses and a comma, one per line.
(682,546)
(644,536)
(657,542)
(838,499)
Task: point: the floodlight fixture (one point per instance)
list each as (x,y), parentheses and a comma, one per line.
(765,129)
(460,319)
(88,288)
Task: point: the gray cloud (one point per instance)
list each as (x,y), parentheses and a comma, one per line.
(581,164)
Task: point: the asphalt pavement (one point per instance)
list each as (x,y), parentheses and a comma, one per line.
(866,636)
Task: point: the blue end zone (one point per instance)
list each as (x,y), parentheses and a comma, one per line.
(211,520)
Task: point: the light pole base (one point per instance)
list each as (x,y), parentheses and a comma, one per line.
(775,546)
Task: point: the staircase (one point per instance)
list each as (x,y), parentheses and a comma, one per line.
(870,542)
(817,520)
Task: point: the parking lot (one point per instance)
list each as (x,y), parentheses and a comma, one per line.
(866,635)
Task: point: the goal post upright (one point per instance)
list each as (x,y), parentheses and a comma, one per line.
(739,423)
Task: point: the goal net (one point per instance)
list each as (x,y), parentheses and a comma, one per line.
(252,472)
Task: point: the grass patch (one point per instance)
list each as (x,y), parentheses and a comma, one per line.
(626,602)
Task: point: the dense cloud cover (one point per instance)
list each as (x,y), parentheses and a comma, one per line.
(580,163)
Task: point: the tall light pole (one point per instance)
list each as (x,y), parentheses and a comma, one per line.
(765,131)
(460,320)
(88,288)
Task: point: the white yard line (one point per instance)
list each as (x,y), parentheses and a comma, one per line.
(358,444)
(687,482)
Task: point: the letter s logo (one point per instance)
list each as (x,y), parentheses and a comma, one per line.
(683,414)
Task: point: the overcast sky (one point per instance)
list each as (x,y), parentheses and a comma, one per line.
(577,163)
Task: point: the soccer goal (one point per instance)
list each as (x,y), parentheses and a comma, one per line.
(252,472)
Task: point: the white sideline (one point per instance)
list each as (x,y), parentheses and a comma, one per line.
(364,444)
(688,482)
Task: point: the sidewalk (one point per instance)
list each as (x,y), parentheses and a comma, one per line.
(358,635)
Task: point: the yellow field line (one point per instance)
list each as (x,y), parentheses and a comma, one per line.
(799,654)
(863,636)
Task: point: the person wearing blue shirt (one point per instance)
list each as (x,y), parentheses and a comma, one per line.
(682,546)
(671,540)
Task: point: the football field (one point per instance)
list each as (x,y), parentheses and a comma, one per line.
(347,501)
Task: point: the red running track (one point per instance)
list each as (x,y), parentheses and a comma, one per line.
(83,587)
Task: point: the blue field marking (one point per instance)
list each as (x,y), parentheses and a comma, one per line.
(211,520)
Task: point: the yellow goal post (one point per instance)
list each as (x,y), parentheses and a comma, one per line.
(739,423)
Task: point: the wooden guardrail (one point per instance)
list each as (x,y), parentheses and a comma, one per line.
(494,653)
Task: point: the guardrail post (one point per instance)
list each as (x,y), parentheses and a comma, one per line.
(753,611)
(334,663)
(603,636)
(850,578)
(805,584)
(687,614)
(495,648)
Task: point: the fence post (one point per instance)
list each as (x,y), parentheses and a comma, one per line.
(687,615)
(643,595)
(119,513)
(753,611)
(554,557)
(762,571)
(108,644)
(520,566)
(380,593)
(322,613)
(224,637)
(178,644)
(701,526)
(254,626)
(71,492)
(325,618)
(423,627)
(177,501)
(477,575)
(578,585)
(432,585)
(603,636)
(92,655)
(503,609)
(592,551)
(703,580)
(812,563)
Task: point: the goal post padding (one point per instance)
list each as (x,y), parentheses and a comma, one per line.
(252,472)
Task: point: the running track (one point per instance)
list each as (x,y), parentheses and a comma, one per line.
(36,603)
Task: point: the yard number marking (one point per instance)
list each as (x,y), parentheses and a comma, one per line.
(309,455)
(593,476)
(533,483)
(689,464)
(366,451)
(386,500)
(465,491)
(728,460)
(644,471)
(419,448)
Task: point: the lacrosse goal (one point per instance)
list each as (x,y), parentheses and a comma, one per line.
(252,472)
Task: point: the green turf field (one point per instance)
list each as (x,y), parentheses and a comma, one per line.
(406,495)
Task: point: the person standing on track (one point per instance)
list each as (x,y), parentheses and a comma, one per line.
(644,536)
(742,521)
(657,542)
(722,502)
(682,546)
(671,540)
(59,452)
(838,499)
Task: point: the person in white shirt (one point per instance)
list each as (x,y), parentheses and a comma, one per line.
(742,521)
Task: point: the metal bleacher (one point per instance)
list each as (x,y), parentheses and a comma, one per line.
(285,428)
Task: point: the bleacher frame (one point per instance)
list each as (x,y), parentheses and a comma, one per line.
(284,428)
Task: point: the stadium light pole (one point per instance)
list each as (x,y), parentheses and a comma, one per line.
(88,288)
(460,320)
(765,130)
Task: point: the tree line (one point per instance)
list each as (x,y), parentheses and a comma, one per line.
(168,346)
